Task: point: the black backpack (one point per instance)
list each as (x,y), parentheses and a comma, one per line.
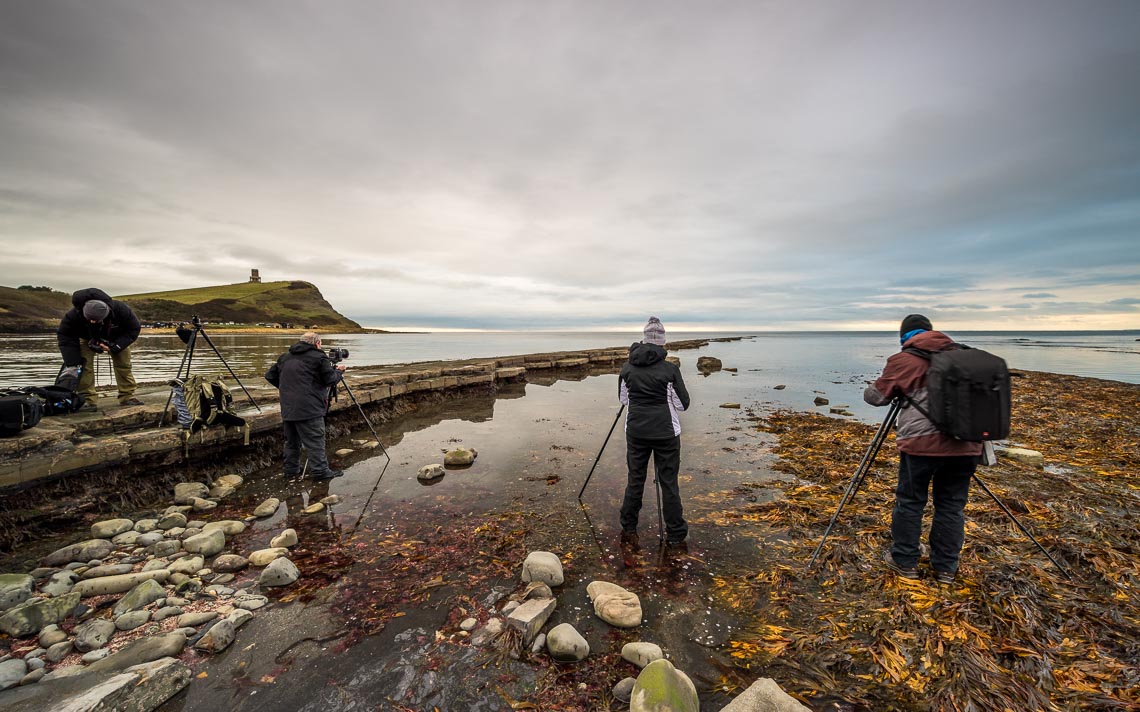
(969,393)
(19,411)
(61,398)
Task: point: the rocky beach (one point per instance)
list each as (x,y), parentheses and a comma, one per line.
(454,569)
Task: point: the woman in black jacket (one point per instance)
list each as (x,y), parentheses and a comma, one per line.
(655,393)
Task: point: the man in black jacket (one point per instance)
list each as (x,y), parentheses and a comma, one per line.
(98,324)
(304,375)
(654,391)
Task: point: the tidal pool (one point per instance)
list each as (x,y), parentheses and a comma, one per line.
(362,633)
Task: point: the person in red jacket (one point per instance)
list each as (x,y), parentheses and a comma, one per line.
(926,457)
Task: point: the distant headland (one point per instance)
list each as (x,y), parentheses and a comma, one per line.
(252,306)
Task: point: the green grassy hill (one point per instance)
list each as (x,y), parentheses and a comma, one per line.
(298,303)
(28,310)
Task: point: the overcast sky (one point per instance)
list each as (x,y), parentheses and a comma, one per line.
(531,164)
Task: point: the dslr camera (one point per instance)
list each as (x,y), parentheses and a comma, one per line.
(337,355)
(97,345)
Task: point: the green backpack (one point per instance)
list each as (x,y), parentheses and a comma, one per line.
(209,403)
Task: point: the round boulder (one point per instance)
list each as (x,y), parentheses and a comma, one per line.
(566,645)
(206,543)
(614,604)
(110,528)
(544,567)
(460,457)
(660,686)
(279,572)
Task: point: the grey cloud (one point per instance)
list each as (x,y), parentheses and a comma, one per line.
(522,162)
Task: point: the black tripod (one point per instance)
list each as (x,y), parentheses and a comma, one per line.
(388,458)
(656,486)
(865,467)
(190,336)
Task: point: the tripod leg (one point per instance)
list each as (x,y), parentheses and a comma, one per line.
(364,416)
(1019,526)
(660,512)
(187,355)
(860,473)
(603,449)
(227,365)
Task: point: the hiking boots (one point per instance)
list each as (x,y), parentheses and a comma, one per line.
(909,573)
(131,401)
(629,538)
(89,407)
(944,577)
(331,474)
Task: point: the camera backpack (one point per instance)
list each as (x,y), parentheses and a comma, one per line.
(207,402)
(19,411)
(969,393)
(61,398)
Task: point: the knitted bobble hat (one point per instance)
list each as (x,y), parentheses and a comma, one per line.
(95,309)
(654,332)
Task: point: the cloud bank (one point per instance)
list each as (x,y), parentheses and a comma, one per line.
(582,165)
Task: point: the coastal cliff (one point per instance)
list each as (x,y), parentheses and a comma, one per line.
(295,303)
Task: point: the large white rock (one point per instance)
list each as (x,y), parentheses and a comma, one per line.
(262,557)
(663,688)
(460,457)
(614,604)
(229,526)
(110,528)
(206,543)
(279,572)
(531,616)
(118,584)
(764,695)
(93,634)
(543,566)
(267,508)
(641,654)
(234,481)
(566,645)
(185,492)
(11,672)
(15,589)
(217,638)
(286,538)
(142,595)
(1020,454)
(187,565)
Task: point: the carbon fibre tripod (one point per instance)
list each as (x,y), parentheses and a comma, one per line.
(656,485)
(865,467)
(190,337)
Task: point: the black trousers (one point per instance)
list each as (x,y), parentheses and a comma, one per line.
(666,463)
(951,479)
(311,435)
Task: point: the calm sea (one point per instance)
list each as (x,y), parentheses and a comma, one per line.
(805,363)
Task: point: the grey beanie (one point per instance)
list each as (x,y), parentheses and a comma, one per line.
(654,332)
(95,309)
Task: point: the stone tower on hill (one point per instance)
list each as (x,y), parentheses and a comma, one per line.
(254,276)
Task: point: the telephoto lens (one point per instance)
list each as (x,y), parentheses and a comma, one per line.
(338,354)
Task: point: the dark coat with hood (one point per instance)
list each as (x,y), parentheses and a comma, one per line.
(905,374)
(120,329)
(303,375)
(654,391)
